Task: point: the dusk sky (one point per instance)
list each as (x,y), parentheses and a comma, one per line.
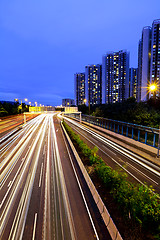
(44,42)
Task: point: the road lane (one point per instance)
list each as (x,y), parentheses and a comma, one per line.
(11,122)
(81,218)
(38,199)
(138,168)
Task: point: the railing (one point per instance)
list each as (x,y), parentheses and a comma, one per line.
(146,135)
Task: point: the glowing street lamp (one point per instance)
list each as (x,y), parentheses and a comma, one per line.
(85,100)
(153,87)
(16,99)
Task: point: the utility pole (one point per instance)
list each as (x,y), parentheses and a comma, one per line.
(80,117)
(24,118)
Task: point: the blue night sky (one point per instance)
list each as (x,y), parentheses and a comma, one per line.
(44,42)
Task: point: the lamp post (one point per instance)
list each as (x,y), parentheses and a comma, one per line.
(26,100)
(17,100)
(153,88)
(89,107)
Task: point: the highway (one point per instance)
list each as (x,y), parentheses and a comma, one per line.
(11,122)
(139,170)
(42,192)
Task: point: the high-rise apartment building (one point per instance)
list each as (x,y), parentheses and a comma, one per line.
(79,84)
(133,82)
(67,102)
(144,56)
(115,77)
(93,87)
(155,55)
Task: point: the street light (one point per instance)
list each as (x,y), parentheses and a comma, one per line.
(17,100)
(89,107)
(153,88)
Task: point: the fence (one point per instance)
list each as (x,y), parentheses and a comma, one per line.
(146,135)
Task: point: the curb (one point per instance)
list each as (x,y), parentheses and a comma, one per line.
(112,229)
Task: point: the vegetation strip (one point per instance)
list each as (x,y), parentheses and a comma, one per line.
(136,201)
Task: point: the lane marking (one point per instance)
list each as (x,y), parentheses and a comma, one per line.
(120,149)
(26,195)
(40,179)
(59,172)
(130,165)
(109,150)
(9,183)
(34,228)
(118,163)
(83,197)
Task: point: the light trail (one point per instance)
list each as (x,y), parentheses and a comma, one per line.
(83,196)
(46,221)
(120,149)
(59,171)
(25,139)
(33,162)
(40,178)
(34,228)
(18,229)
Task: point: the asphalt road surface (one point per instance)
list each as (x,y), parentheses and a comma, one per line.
(42,192)
(138,168)
(11,122)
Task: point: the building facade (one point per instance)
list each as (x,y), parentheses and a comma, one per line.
(133,82)
(67,102)
(115,77)
(93,84)
(144,56)
(41,109)
(79,88)
(155,56)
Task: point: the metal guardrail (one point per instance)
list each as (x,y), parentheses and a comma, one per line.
(146,135)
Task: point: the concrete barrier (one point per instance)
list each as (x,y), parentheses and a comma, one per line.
(112,229)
